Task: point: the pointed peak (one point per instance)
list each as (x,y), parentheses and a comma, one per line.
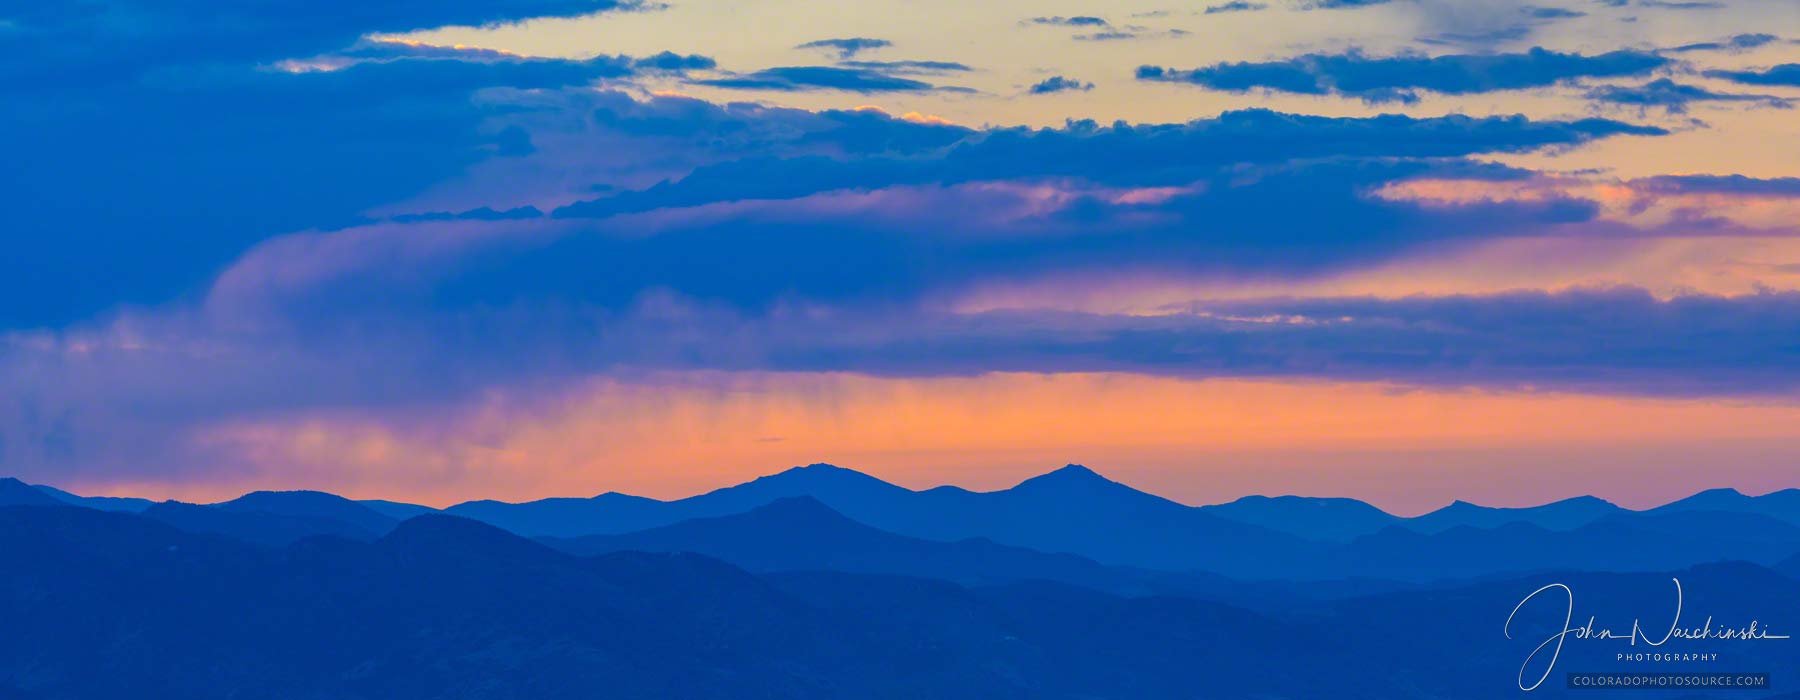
(1587,501)
(616,496)
(1073,474)
(818,470)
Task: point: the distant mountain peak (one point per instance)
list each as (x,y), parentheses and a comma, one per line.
(294,495)
(1069,474)
(817,470)
(317,504)
(813,479)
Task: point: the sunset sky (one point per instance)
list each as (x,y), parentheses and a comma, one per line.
(1407,251)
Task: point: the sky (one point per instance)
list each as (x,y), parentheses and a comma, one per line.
(1407,251)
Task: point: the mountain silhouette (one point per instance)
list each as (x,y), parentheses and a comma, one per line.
(1783,505)
(106,605)
(311,505)
(1613,544)
(126,505)
(254,526)
(1071,510)
(1789,566)
(1074,526)
(613,513)
(396,509)
(1074,510)
(1566,514)
(1323,519)
(801,534)
(437,608)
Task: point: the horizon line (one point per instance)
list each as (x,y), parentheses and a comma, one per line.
(1065,468)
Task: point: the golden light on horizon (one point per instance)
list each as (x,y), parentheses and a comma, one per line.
(674,435)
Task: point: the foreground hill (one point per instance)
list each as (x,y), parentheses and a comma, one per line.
(107,605)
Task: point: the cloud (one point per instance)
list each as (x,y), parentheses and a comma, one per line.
(1341,4)
(479,214)
(1674,97)
(674,62)
(1611,340)
(803,78)
(1235,6)
(213,160)
(1124,154)
(1059,83)
(909,67)
(1787,74)
(1077,21)
(246,121)
(193,378)
(1722,184)
(1738,42)
(1541,12)
(1681,4)
(1685,205)
(60,46)
(846,48)
(1106,36)
(739,237)
(1398,78)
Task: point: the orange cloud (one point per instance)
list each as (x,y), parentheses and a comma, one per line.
(1637,203)
(1665,266)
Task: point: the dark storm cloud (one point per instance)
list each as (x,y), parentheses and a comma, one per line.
(177,120)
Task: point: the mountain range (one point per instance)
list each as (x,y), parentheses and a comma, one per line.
(1070,525)
(107,604)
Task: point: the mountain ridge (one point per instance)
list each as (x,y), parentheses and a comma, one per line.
(1075,510)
